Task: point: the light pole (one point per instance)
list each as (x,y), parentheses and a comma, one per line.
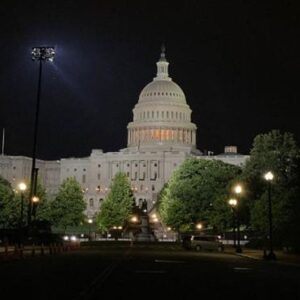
(199,226)
(233,203)
(90,221)
(269,176)
(41,54)
(238,190)
(22,187)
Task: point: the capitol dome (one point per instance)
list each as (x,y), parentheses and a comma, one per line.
(162,116)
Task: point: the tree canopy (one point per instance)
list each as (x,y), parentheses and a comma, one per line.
(9,206)
(118,204)
(68,207)
(197,192)
(276,152)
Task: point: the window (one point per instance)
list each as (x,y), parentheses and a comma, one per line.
(167,114)
(100,201)
(99,166)
(153,187)
(75,170)
(84,170)
(83,178)
(142,187)
(91,202)
(127,174)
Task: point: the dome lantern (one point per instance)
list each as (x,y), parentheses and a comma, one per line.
(162,66)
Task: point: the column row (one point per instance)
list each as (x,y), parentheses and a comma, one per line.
(140,135)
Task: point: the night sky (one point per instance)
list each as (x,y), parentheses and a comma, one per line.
(237,62)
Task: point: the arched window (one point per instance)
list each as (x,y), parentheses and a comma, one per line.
(91,202)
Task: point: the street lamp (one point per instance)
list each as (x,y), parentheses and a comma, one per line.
(90,221)
(199,226)
(269,176)
(233,203)
(22,187)
(238,190)
(41,54)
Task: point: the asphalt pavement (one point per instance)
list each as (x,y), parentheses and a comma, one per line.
(141,271)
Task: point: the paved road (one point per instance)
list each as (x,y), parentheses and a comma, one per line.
(136,272)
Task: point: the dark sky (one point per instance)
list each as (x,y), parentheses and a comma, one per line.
(237,62)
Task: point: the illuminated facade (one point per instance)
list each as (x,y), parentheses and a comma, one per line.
(160,137)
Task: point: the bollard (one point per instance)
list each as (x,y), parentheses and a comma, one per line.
(6,250)
(33,250)
(16,251)
(21,252)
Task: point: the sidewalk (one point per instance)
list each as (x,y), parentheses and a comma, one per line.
(282,257)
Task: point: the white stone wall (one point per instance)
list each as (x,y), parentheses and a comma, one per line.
(18,168)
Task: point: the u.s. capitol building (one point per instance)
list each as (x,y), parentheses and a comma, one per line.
(160,137)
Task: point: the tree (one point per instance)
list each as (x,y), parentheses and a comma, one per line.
(118,204)
(279,153)
(193,194)
(68,206)
(9,205)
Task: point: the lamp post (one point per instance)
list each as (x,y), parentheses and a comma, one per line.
(199,226)
(238,190)
(22,187)
(41,54)
(269,176)
(90,221)
(233,203)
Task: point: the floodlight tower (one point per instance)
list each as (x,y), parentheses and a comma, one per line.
(41,54)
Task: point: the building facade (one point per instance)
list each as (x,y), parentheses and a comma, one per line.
(160,137)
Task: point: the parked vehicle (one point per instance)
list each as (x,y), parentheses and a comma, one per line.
(202,242)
